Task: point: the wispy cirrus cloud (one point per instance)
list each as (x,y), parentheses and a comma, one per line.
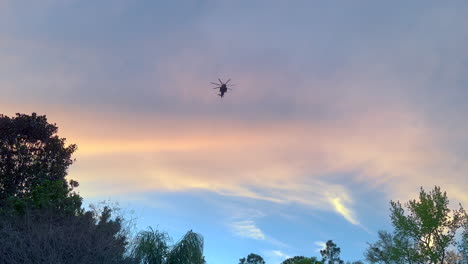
(375,111)
(248,229)
(319,245)
(276,256)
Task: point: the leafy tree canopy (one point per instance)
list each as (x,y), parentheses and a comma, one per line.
(331,253)
(301,260)
(151,247)
(252,259)
(423,233)
(41,219)
(42,236)
(32,155)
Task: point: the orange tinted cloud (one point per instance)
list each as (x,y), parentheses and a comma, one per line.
(281,162)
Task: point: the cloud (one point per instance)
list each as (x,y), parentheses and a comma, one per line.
(280,254)
(287,162)
(275,256)
(372,110)
(345,212)
(248,229)
(319,245)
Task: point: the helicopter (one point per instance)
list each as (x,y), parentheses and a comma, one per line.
(223,87)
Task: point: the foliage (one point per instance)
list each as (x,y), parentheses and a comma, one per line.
(41,219)
(42,236)
(390,249)
(252,259)
(463,245)
(301,260)
(423,234)
(51,195)
(188,250)
(151,247)
(331,253)
(429,225)
(30,153)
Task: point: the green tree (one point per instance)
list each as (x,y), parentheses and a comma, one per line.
(463,245)
(422,234)
(188,250)
(301,260)
(331,253)
(151,247)
(252,259)
(41,219)
(31,153)
(390,249)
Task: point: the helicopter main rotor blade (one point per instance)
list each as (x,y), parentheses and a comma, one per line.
(228,81)
(232,84)
(220,81)
(216,87)
(214,83)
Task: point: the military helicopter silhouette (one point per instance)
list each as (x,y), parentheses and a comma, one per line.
(223,87)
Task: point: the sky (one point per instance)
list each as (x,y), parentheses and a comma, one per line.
(339,107)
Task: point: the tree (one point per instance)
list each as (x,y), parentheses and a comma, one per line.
(429,225)
(331,253)
(422,234)
(41,236)
(41,219)
(390,249)
(252,259)
(30,154)
(188,250)
(301,260)
(463,245)
(151,247)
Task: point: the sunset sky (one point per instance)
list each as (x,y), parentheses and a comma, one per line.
(339,107)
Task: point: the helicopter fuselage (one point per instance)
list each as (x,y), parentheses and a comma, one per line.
(222,90)
(222,87)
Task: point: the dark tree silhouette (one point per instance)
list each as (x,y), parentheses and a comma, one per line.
(252,259)
(301,260)
(151,247)
(31,153)
(188,250)
(40,236)
(331,254)
(41,219)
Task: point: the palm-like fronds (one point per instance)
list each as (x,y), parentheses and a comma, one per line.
(188,250)
(151,248)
